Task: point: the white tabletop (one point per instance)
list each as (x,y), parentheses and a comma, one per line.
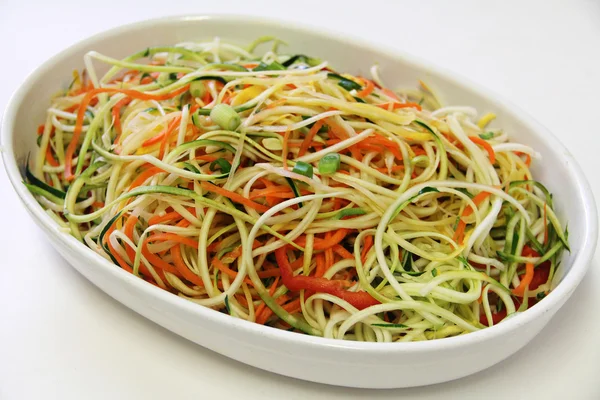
(61,338)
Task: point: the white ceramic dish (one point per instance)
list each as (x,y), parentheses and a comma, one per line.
(367,365)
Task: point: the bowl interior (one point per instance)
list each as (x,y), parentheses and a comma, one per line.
(557,169)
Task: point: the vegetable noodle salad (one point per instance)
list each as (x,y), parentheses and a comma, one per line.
(280,191)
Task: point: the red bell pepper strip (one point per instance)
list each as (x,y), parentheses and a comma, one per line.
(360,300)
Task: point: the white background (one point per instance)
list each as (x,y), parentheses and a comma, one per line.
(60,337)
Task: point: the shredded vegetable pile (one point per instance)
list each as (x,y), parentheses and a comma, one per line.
(277,190)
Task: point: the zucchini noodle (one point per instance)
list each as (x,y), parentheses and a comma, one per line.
(279,191)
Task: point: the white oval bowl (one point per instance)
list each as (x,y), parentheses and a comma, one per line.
(345,363)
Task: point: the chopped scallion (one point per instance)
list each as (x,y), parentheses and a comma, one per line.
(329,164)
(226,117)
(303,168)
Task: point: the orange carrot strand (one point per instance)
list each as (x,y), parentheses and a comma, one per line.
(309,137)
(486,146)
(238,198)
(526,281)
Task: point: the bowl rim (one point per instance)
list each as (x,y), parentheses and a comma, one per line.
(564,289)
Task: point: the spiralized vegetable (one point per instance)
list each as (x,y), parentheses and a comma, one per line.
(282,192)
